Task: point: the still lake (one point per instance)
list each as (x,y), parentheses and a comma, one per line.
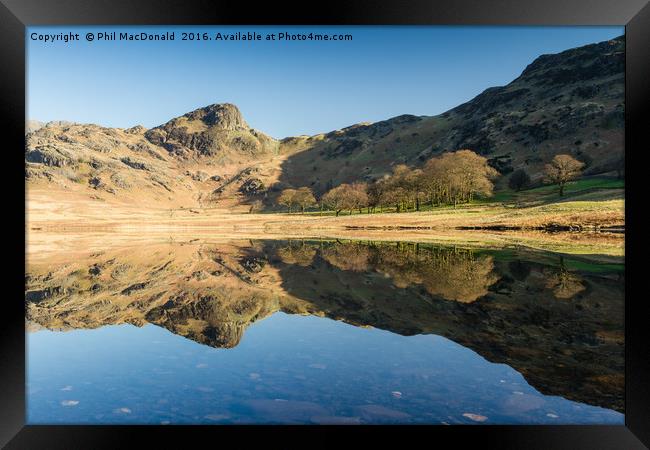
(324,332)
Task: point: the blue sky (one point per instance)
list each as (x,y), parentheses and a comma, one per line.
(283,88)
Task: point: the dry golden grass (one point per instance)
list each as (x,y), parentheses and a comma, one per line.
(48,221)
(77,210)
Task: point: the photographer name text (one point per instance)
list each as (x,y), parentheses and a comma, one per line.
(239,36)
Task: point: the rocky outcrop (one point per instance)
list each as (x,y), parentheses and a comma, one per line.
(134,164)
(224,116)
(49,156)
(252,187)
(215,130)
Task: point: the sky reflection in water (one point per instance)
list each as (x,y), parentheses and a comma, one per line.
(293,368)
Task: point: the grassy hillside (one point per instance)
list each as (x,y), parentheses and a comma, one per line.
(571,102)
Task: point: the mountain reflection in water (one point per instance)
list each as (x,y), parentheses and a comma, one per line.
(558,321)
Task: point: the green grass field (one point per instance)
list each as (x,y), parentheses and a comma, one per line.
(580,194)
(550,193)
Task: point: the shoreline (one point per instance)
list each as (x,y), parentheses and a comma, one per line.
(568,216)
(569,226)
(606,247)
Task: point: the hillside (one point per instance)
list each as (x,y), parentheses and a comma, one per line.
(187,162)
(570,102)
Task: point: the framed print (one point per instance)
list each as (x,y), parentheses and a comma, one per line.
(365,220)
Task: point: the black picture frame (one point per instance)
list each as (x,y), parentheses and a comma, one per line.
(15,15)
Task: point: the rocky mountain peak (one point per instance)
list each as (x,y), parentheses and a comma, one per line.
(217,129)
(225,116)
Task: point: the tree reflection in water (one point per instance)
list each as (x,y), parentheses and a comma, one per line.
(502,304)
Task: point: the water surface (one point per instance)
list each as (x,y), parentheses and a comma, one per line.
(324,332)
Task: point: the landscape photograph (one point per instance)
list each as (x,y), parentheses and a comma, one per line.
(325,225)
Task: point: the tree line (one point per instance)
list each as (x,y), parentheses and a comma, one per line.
(449,179)
(451,273)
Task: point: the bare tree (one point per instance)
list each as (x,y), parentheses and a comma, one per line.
(458,177)
(374,196)
(402,188)
(335,198)
(347,196)
(416,186)
(562,169)
(450,178)
(357,196)
(304,198)
(287,198)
